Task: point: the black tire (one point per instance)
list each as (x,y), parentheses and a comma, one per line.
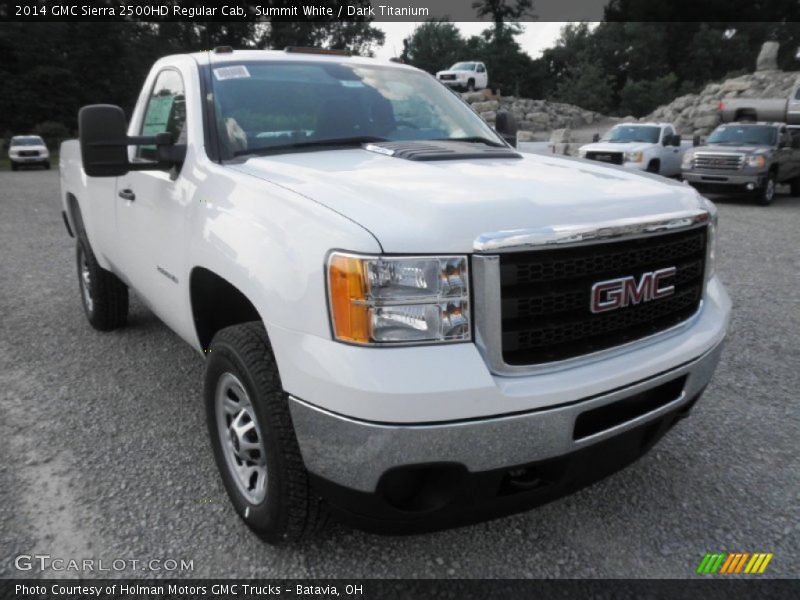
(290,509)
(795,189)
(47,165)
(14,166)
(653,166)
(471,85)
(766,193)
(103,295)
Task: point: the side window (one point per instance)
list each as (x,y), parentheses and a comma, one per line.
(795,139)
(165,111)
(797,93)
(481,69)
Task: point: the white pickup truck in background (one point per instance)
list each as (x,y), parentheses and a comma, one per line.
(651,147)
(403,319)
(469,76)
(781,110)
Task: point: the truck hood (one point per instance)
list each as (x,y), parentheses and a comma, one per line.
(443,206)
(25,148)
(617,147)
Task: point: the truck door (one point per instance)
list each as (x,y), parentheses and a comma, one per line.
(787,157)
(481,79)
(151,206)
(671,163)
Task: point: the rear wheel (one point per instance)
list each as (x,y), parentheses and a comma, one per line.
(253,439)
(795,183)
(766,193)
(104,296)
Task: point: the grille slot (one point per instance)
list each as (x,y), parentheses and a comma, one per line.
(614,158)
(718,162)
(545,295)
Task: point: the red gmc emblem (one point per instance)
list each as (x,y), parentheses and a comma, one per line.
(627,291)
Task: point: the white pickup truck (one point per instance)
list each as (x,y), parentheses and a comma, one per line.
(403,320)
(651,147)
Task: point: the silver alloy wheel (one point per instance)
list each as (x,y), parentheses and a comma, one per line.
(240,438)
(769,190)
(86,283)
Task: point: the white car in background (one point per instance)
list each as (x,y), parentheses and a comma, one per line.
(652,147)
(28,150)
(465,75)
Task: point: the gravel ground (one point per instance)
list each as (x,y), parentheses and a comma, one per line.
(105,453)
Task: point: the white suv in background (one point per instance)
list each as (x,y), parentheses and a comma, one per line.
(465,75)
(28,150)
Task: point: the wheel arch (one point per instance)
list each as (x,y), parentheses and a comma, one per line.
(217,303)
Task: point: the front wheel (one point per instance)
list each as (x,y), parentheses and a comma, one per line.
(766,193)
(253,439)
(14,166)
(47,165)
(470,86)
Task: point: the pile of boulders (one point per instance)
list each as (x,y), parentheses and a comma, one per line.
(532,116)
(692,114)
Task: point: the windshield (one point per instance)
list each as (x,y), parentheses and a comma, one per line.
(463,66)
(27,140)
(269,106)
(744,135)
(633,133)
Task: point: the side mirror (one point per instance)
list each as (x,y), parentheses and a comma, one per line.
(696,141)
(676,140)
(506,125)
(104,143)
(595,138)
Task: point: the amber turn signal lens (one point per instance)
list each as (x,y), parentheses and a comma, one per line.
(348,299)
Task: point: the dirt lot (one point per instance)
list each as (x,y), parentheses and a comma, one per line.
(105,453)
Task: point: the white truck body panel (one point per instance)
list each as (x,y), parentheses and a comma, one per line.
(267,225)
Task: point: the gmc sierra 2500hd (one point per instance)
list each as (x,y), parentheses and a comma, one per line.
(403,319)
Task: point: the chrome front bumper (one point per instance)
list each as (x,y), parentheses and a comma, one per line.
(355,454)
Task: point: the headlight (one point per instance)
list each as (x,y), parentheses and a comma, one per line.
(686,162)
(758,161)
(389,300)
(711,240)
(581,153)
(634,157)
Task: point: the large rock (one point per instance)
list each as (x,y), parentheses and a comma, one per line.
(486,106)
(768,57)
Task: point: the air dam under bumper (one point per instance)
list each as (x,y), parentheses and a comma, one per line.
(365,457)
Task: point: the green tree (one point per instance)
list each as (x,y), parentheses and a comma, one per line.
(434,46)
(588,87)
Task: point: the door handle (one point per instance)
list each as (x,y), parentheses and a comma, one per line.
(127,194)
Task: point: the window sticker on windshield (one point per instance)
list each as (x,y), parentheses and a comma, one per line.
(354,83)
(235,72)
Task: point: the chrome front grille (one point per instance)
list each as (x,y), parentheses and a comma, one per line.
(719,161)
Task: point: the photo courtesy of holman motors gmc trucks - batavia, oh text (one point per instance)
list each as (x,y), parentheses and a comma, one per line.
(404,321)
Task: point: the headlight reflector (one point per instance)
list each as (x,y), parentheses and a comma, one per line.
(385,300)
(686,162)
(634,157)
(757,161)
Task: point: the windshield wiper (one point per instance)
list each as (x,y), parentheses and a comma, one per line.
(351,141)
(470,140)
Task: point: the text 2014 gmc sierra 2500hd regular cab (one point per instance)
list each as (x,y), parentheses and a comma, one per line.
(403,319)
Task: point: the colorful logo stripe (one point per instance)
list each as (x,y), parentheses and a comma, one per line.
(734,562)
